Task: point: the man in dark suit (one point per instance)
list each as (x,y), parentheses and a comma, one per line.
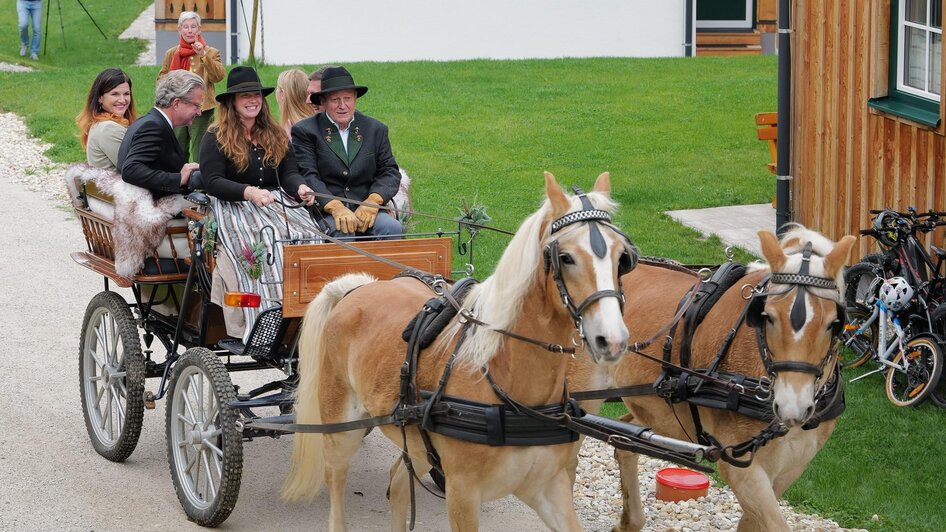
(343,153)
(150,155)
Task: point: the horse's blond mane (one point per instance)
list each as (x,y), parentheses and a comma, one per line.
(498,299)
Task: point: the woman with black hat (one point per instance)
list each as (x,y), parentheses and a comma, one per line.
(250,172)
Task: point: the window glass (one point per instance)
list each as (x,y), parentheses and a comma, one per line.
(915,11)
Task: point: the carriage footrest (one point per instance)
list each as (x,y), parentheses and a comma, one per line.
(232,345)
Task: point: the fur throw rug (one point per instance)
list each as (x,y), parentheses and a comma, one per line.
(402,200)
(139,222)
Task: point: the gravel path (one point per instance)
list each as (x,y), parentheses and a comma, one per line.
(597,495)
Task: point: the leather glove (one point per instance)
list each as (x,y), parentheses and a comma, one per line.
(345,220)
(367,214)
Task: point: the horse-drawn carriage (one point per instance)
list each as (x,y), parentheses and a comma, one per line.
(558,289)
(171,304)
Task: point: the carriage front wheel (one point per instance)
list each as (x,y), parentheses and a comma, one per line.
(205,449)
(111,376)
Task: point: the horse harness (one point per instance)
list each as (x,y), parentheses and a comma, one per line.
(712,387)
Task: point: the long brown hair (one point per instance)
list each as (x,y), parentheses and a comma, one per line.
(93,112)
(266,132)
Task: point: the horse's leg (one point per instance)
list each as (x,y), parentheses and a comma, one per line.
(753,488)
(399,494)
(632,515)
(339,450)
(463,504)
(554,501)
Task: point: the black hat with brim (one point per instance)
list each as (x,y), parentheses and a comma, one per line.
(338,79)
(243,79)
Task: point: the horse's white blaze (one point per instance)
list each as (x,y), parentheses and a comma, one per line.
(606,320)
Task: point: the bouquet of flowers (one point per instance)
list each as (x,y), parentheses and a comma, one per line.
(251,259)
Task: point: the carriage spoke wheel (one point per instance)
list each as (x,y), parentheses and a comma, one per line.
(205,449)
(111,376)
(920,366)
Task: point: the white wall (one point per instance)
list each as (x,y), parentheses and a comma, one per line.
(316,31)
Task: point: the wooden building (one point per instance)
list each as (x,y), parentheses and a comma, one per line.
(867,127)
(735,27)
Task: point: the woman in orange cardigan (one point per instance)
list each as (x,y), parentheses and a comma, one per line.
(194,55)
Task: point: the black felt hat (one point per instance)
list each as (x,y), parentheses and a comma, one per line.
(243,79)
(338,79)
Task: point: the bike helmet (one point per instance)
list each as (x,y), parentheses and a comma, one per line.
(896,293)
(886,226)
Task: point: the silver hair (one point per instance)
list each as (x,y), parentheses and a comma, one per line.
(176,84)
(187,15)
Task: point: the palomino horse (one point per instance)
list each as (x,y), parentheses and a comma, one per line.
(801,358)
(351,353)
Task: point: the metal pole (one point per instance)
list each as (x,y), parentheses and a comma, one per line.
(234,34)
(783,188)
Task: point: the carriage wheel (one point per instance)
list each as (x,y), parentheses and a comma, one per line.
(858,279)
(857,348)
(205,449)
(921,365)
(111,376)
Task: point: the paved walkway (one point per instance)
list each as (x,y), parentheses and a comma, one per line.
(143,28)
(736,226)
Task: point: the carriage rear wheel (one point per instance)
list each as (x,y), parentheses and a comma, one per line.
(111,376)
(920,367)
(205,449)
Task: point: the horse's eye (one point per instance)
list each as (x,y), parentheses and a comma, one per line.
(566,259)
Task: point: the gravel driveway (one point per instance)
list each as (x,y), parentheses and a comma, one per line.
(53,479)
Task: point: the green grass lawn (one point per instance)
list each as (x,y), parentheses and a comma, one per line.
(674,133)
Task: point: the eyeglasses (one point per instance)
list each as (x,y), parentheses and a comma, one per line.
(196,105)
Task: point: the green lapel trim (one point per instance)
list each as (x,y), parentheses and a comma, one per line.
(355,140)
(329,133)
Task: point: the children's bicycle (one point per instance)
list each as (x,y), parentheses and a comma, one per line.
(912,364)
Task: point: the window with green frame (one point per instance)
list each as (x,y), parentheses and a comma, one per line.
(916,47)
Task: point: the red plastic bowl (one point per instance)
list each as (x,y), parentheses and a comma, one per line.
(678,484)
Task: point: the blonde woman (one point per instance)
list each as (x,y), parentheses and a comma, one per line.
(291,95)
(193,54)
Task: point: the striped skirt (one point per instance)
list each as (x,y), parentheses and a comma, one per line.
(243,228)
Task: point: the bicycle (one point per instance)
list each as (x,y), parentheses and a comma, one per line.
(912,364)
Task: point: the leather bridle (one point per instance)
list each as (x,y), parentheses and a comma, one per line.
(553,259)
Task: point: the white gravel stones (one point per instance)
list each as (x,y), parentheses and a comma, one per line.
(22,160)
(597,490)
(10,67)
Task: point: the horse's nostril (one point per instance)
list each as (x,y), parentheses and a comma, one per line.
(601,343)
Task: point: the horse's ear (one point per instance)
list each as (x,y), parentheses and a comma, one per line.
(560,203)
(772,250)
(603,184)
(839,256)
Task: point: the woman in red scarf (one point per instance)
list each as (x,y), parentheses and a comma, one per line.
(192,53)
(109,110)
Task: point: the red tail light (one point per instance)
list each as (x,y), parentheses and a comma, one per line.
(241,299)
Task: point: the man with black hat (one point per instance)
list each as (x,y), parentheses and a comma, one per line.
(345,154)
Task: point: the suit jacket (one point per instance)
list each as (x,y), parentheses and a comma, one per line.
(367,167)
(150,155)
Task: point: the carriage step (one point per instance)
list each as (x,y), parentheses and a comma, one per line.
(234,346)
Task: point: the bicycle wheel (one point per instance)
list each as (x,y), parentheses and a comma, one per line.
(938,326)
(919,367)
(857,348)
(858,279)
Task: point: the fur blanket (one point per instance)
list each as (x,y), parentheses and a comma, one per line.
(138,222)
(402,200)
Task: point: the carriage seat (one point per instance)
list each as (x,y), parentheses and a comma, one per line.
(124,225)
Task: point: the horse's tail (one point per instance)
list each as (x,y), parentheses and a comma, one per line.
(306,470)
